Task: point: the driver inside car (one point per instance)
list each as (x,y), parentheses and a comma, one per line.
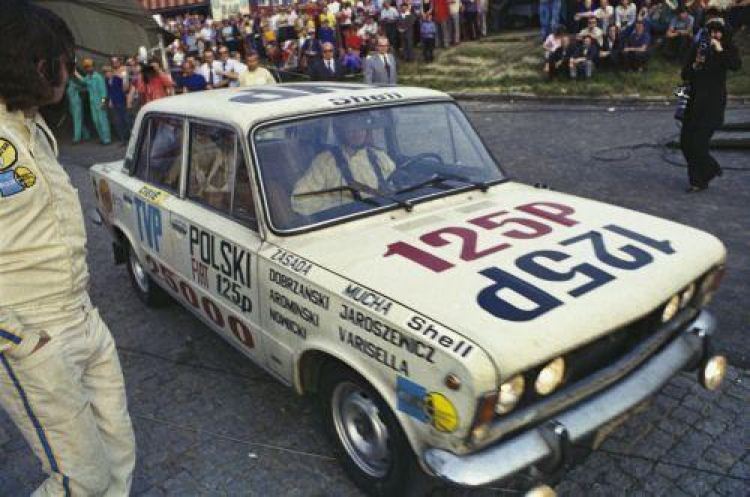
(353,160)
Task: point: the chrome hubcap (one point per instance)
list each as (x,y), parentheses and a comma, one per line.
(140,276)
(360,429)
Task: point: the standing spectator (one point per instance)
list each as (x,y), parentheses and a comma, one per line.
(311,49)
(153,83)
(328,33)
(454,7)
(610,55)
(559,60)
(230,69)
(441,16)
(344,20)
(388,19)
(679,35)
(255,75)
(606,15)
(586,10)
(190,81)
(483,6)
(327,68)
(707,78)
(428,32)
(583,59)
(352,40)
(637,44)
(118,103)
(73,90)
(352,61)
(545,18)
(210,69)
(208,36)
(405,27)
(471,17)
(625,16)
(231,35)
(97,90)
(380,67)
(593,30)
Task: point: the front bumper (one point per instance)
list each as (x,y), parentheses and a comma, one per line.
(547,441)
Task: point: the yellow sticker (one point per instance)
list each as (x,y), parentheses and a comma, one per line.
(105,195)
(153,195)
(8,154)
(25,177)
(441,411)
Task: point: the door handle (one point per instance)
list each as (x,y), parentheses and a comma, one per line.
(179,227)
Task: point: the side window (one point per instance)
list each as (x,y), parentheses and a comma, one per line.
(160,155)
(218,174)
(213,152)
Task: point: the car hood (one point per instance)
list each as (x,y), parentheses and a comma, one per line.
(610,288)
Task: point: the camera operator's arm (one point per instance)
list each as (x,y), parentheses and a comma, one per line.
(692,62)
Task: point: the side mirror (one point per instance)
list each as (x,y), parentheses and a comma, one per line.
(95,217)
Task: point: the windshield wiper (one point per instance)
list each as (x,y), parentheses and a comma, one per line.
(357,189)
(438,180)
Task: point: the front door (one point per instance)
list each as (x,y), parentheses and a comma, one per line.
(215,237)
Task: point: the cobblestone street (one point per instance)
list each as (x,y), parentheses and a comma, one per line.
(209,422)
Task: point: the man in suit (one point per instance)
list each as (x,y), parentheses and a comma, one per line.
(380,68)
(328,68)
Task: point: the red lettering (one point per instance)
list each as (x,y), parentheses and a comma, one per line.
(557,213)
(213,312)
(469,250)
(189,294)
(425,259)
(241,331)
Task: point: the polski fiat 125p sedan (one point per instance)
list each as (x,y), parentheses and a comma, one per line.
(361,244)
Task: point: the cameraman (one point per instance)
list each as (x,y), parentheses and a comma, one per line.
(60,378)
(705,71)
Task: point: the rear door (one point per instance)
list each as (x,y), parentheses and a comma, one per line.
(215,235)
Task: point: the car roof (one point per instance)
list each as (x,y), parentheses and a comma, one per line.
(247,106)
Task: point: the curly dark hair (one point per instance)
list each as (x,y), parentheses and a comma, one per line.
(30,35)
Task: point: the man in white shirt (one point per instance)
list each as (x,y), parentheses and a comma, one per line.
(255,75)
(210,69)
(229,69)
(592,30)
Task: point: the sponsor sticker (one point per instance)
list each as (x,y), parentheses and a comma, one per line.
(15,181)
(8,154)
(427,407)
(153,195)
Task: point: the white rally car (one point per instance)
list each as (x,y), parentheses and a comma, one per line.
(362,244)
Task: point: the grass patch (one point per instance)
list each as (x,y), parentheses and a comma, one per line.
(512,62)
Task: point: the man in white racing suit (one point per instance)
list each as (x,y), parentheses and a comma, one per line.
(60,377)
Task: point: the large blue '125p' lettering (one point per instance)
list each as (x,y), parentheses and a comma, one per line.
(149,223)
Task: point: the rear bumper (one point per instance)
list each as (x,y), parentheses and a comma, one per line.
(547,441)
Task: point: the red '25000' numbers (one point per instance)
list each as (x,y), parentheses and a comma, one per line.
(204,305)
(519,228)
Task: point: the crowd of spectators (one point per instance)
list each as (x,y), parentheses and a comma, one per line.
(592,35)
(332,40)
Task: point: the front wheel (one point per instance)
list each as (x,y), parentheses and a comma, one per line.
(370,443)
(148,292)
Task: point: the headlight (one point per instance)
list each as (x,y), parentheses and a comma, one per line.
(670,309)
(550,377)
(687,295)
(509,395)
(710,284)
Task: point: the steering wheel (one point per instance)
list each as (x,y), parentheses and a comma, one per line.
(405,174)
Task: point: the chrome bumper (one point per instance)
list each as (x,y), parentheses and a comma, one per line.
(542,443)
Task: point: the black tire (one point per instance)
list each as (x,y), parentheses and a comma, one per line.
(147,291)
(397,474)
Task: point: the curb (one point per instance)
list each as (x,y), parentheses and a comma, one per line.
(575,99)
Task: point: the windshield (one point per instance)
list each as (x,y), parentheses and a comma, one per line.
(324,168)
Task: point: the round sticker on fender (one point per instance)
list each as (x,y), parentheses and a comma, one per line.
(441,411)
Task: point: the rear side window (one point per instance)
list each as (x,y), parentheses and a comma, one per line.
(217,173)
(160,153)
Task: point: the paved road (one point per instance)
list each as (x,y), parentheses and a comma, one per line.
(210,423)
